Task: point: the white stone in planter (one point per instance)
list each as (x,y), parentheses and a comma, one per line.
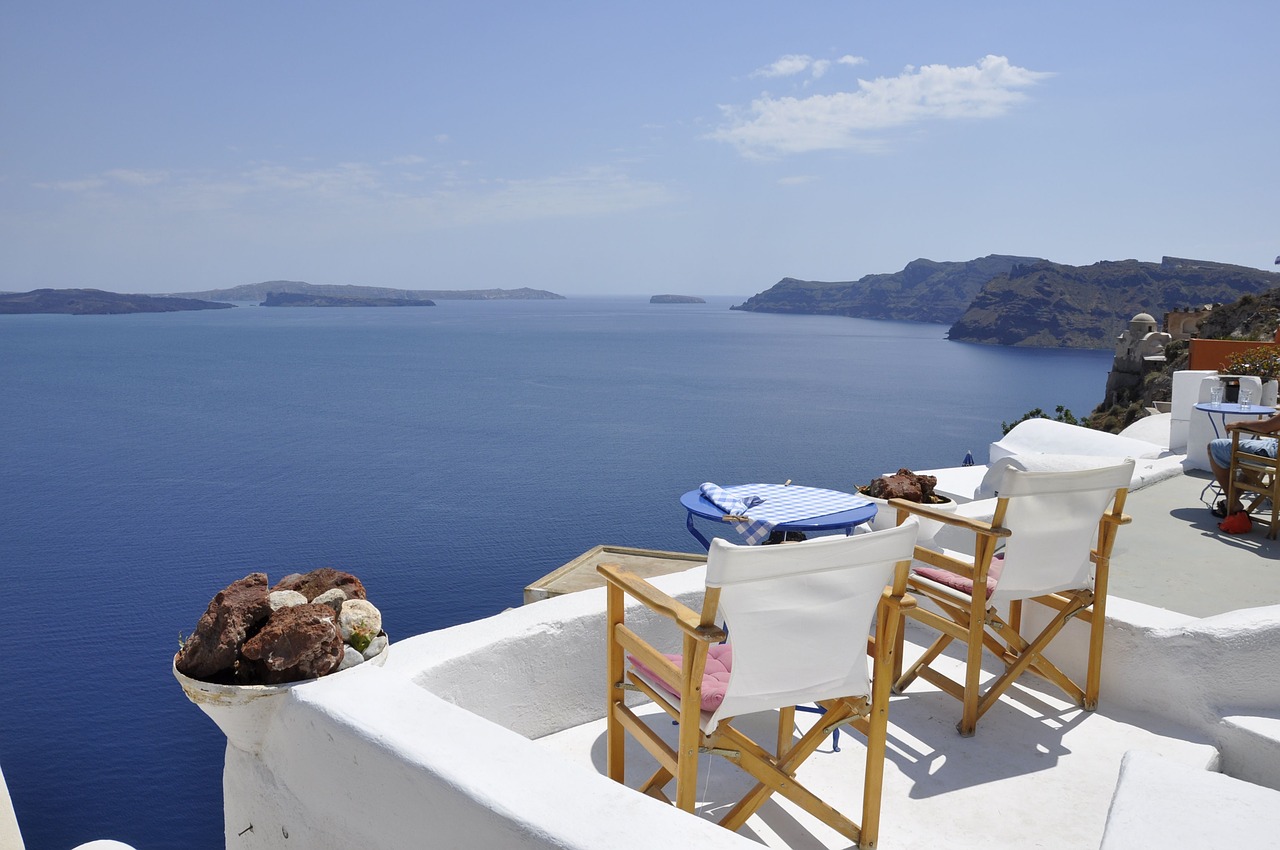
(376,646)
(350,657)
(278,599)
(333,597)
(359,622)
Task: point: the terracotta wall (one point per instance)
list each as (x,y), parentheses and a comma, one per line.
(1211,353)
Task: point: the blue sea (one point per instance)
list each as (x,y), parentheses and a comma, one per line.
(447,456)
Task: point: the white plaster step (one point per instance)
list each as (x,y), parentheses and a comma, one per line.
(1250,747)
(1161,803)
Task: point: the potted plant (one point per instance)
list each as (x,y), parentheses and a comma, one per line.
(255,642)
(1262,362)
(905,484)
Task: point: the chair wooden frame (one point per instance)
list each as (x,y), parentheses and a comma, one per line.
(971,619)
(1257,475)
(775,773)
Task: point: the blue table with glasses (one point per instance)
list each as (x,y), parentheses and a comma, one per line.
(1225,409)
(762,509)
(1212,492)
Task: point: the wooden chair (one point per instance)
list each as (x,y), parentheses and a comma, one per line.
(1256,475)
(799,616)
(1057,530)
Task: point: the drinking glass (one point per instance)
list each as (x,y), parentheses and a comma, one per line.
(1244,398)
(1215,396)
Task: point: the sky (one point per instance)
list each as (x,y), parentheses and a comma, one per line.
(625,148)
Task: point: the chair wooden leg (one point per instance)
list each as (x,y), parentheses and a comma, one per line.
(1275,512)
(615,736)
(786,728)
(695,656)
(973,666)
(1097,628)
(1015,615)
(890,624)
(899,644)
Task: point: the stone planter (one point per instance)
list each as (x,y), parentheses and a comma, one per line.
(887,517)
(244,712)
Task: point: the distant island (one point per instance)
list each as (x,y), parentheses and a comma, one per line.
(298,299)
(260,291)
(677,299)
(1022,301)
(95,302)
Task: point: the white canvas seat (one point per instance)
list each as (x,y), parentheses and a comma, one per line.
(799,617)
(1049,541)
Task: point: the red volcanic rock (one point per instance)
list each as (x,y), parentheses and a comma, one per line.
(316,582)
(904,484)
(297,643)
(233,614)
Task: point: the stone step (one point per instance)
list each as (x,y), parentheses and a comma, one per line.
(1250,747)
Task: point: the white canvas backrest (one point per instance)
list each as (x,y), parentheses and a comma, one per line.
(1053,520)
(799,613)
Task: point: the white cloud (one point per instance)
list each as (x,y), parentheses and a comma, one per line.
(799,63)
(849,120)
(787,66)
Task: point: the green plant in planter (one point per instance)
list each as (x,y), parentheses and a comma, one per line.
(1263,361)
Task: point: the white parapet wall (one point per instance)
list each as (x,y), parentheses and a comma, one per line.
(1192,671)
(434,749)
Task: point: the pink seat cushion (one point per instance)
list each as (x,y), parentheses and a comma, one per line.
(961,583)
(714,679)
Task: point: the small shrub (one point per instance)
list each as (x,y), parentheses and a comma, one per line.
(1063,415)
(1263,361)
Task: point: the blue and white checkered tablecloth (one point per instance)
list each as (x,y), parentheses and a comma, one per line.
(769,505)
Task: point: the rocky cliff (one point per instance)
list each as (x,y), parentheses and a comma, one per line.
(1008,300)
(924,291)
(1053,305)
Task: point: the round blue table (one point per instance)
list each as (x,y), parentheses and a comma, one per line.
(698,505)
(1232,409)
